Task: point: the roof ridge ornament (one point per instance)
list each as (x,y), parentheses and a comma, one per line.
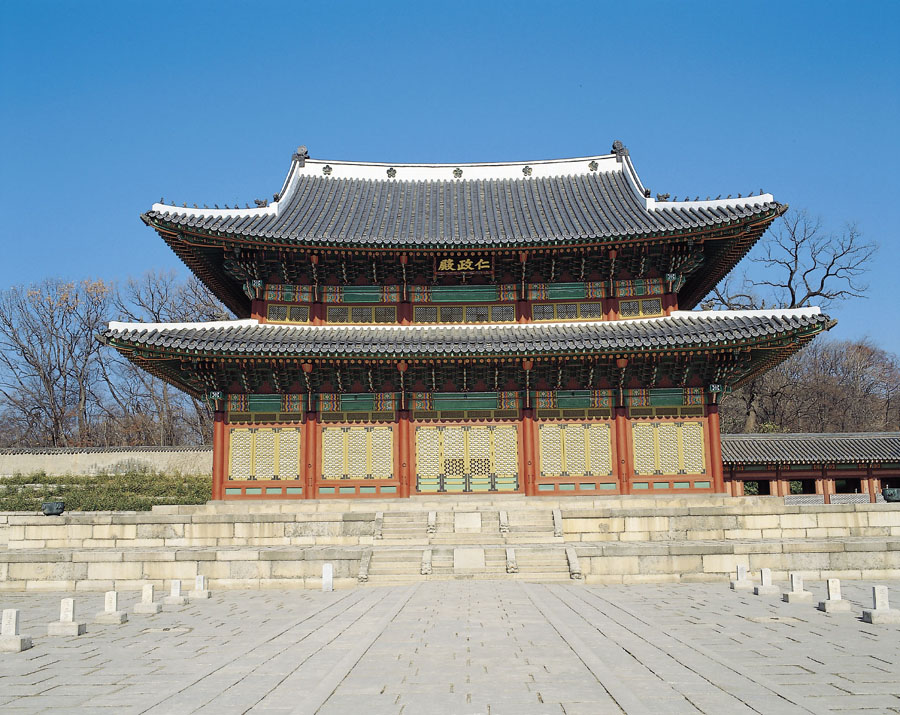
(619,149)
(301,155)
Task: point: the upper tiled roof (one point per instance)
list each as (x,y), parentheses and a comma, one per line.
(852,447)
(417,205)
(680,330)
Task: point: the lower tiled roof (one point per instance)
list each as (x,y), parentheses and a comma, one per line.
(680,330)
(851,447)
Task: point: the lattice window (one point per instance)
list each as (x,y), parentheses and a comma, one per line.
(692,447)
(451,314)
(467,458)
(566,311)
(265,454)
(477,314)
(575,449)
(241,453)
(503,313)
(357,453)
(642,435)
(338,314)
(385,314)
(542,311)
(361,314)
(289,453)
(590,310)
(629,308)
(648,307)
(299,314)
(277,313)
(668,448)
(426,314)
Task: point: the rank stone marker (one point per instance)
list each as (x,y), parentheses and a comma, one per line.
(111,615)
(146,605)
(765,587)
(834,603)
(199,590)
(797,594)
(175,598)
(741,583)
(10,640)
(327,577)
(882,613)
(66,625)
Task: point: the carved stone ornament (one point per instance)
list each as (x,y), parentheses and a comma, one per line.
(457,173)
(327,169)
(593,166)
(526,170)
(392,172)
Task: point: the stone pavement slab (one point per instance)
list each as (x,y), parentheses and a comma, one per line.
(487,647)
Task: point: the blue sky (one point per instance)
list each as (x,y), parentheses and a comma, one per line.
(107,106)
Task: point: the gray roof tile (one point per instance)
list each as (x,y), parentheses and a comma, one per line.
(682,329)
(480,212)
(859,447)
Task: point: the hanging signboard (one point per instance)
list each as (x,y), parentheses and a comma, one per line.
(463,264)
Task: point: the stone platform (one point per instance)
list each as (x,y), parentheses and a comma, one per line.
(611,540)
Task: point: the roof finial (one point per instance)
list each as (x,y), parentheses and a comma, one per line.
(302,155)
(619,149)
(261,203)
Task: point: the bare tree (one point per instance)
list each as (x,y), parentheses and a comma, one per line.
(49,359)
(799,264)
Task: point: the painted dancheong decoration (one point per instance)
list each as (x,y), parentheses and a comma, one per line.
(465,328)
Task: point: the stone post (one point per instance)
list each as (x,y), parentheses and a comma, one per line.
(147,604)
(175,598)
(199,590)
(797,594)
(111,615)
(766,588)
(882,612)
(327,577)
(834,603)
(66,625)
(10,640)
(741,582)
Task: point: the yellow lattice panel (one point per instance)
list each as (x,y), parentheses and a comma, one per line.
(382,451)
(265,454)
(600,439)
(642,435)
(506,452)
(428,452)
(357,459)
(332,453)
(574,445)
(550,436)
(289,453)
(692,447)
(241,454)
(667,436)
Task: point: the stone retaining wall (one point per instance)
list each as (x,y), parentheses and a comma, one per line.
(91,461)
(738,521)
(106,570)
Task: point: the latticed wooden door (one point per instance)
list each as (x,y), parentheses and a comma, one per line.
(467,458)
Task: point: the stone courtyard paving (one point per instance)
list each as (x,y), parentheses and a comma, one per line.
(461,647)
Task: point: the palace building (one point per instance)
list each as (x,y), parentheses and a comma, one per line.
(451,328)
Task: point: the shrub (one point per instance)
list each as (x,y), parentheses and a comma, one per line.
(131,491)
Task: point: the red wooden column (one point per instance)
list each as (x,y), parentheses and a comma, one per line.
(621,428)
(310,454)
(529,452)
(220,455)
(715,448)
(403,452)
